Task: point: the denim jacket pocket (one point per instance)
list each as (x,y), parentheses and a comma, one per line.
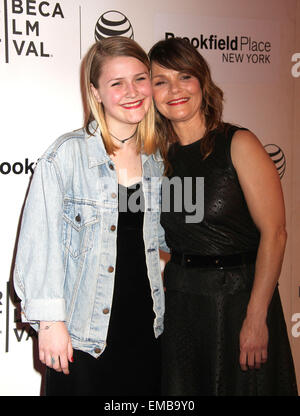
(79,219)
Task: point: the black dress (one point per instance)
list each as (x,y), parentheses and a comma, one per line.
(205,307)
(130,364)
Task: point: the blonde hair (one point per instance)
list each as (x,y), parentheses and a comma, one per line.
(92,67)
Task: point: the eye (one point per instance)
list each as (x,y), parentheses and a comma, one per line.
(142,78)
(158,83)
(186,76)
(116,84)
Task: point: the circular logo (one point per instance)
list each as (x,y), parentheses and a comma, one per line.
(113,23)
(277,155)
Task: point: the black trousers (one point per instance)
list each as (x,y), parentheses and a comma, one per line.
(110,375)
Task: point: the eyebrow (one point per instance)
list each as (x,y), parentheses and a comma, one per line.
(120,78)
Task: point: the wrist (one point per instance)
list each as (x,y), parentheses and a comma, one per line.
(45,325)
(257,313)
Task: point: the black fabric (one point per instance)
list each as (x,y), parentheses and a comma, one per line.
(195,260)
(227,227)
(205,307)
(130,364)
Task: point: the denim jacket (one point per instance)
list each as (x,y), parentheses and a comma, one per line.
(66,257)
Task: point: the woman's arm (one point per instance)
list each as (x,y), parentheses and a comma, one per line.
(39,270)
(55,347)
(261,185)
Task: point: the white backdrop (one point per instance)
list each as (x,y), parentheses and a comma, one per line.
(253,48)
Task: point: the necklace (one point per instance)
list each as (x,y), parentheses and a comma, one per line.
(123,140)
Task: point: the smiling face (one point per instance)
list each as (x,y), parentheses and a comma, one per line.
(124,89)
(177,95)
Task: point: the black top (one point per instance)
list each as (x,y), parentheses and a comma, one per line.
(227,226)
(132,310)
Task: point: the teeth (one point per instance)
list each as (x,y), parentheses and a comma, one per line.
(180,100)
(132,104)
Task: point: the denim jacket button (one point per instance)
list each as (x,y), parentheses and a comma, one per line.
(113,228)
(78,218)
(113,195)
(111,166)
(110,269)
(97,350)
(105,311)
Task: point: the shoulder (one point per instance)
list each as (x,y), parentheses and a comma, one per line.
(224,133)
(247,151)
(64,143)
(244,141)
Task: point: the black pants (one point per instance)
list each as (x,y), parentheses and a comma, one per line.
(134,375)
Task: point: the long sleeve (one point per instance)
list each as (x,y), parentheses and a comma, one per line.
(39,267)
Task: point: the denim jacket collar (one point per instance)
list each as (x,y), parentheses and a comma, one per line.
(97,154)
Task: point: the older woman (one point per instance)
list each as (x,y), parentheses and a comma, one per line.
(225,332)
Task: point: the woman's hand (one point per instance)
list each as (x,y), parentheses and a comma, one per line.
(55,347)
(253,343)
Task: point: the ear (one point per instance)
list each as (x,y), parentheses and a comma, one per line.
(95,93)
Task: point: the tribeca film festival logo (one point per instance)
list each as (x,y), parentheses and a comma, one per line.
(113,23)
(296,67)
(22,27)
(22,332)
(235,49)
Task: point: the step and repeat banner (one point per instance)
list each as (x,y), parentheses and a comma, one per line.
(253,49)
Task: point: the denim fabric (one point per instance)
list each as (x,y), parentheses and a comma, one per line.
(65,263)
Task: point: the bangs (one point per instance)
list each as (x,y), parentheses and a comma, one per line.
(178,56)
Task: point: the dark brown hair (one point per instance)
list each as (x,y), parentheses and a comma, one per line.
(179,55)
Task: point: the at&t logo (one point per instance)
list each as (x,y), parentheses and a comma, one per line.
(277,155)
(113,23)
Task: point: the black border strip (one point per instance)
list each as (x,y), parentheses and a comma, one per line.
(6,32)
(7,318)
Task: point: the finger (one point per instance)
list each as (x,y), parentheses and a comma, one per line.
(264,356)
(243,361)
(250,359)
(70,352)
(55,363)
(258,359)
(52,361)
(49,360)
(64,364)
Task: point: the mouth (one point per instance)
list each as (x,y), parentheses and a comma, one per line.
(133,105)
(179,101)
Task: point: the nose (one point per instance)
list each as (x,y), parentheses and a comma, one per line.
(131,90)
(174,86)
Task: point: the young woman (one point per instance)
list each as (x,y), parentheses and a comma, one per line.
(87,268)
(225,332)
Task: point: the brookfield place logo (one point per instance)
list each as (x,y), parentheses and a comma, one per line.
(277,155)
(233,48)
(113,23)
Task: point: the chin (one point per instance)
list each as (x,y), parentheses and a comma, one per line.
(136,118)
